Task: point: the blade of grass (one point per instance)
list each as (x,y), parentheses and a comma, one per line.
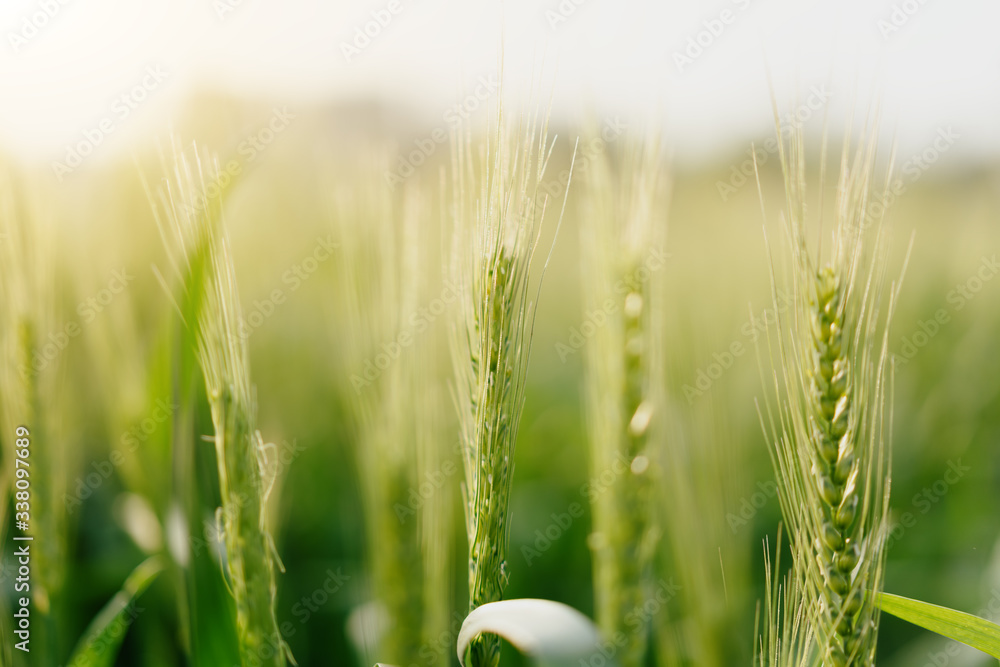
(970,630)
(103,638)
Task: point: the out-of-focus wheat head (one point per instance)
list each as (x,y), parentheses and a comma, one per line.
(623,236)
(388,273)
(190,222)
(497,209)
(830,427)
(29,301)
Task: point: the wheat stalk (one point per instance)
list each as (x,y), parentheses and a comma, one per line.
(624,221)
(29,385)
(386,248)
(830,440)
(199,250)
(498,211)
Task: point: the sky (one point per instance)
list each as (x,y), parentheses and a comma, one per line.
(701,72)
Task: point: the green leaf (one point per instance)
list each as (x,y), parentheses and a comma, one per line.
(550,632)
(100,643)
(966,628)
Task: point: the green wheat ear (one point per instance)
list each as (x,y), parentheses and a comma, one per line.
(190,223)
(624,228)
(498,211)
(830,431)
(387,246)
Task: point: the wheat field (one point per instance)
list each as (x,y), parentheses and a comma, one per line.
(322,384)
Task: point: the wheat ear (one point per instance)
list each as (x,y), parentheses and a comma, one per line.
(386,248)
(498,210)
(625,221)
(199,250)
(831,452)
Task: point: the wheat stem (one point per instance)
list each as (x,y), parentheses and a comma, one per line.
(200,252)
(498,211)
(623,232)
(385,252)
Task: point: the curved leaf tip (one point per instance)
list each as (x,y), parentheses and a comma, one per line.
(543,629)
